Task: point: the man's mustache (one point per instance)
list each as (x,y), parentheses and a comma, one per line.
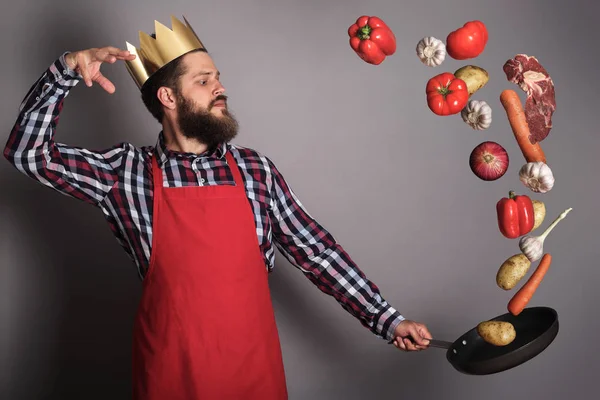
(218,98)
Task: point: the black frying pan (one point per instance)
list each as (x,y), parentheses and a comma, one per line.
(536,328)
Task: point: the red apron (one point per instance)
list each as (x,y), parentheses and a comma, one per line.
(205,327)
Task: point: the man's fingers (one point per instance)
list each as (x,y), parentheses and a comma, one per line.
(425,334)
(400,344)
(414,334)
(81,60)
(417,336)
(409,344)
(406,344)
(102,55)
(124,55)
(84,63)
(85,74)
(119,54)
(114,50)
(128,57)
(105,83)
(110,58)
(420,347)
(107,54)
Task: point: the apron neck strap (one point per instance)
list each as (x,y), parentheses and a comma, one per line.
(234,170)
(156,175)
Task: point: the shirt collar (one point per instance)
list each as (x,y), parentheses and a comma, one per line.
(164,154)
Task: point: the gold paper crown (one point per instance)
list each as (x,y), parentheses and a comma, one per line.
(154,53)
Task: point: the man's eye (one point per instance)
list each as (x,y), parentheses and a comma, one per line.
(202,82)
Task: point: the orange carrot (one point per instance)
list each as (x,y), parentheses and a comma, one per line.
(516,116)
(522,297)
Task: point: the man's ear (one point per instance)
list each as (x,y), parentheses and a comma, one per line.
(167,97)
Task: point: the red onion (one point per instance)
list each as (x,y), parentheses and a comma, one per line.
(489,161)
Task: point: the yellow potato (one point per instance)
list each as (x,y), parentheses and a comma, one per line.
(475,77)
(512,271)
(498,333)
(539,213)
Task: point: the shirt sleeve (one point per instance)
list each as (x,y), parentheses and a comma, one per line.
(311,248)
(74,171)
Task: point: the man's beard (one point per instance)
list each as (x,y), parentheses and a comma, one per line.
(200,124)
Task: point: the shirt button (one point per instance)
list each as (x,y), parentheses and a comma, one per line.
(201,180)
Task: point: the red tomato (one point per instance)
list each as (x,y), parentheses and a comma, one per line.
(446,94)
(467,41)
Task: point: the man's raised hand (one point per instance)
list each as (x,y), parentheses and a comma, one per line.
(87,63)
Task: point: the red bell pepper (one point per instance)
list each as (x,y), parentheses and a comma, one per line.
(372,39)
(468,41)
(446,94)
(515,215)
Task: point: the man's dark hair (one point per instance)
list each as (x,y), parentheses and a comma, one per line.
(167,76)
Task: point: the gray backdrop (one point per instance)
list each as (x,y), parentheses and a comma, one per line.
(365,155)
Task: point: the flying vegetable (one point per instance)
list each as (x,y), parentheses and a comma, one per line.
(515,215)
(372,39)
(533,246)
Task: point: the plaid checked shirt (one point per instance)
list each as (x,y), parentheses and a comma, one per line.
(118,180)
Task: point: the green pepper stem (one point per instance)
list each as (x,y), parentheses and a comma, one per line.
(511,194)
(444,91)
(364,32)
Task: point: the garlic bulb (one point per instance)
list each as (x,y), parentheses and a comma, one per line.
(431,51)
(533,246)
(537,176)
(477,114)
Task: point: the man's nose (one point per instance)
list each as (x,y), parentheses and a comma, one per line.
(219,89)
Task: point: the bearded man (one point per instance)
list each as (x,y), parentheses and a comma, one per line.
(200,218)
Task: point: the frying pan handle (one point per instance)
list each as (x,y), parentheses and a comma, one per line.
(442,344)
